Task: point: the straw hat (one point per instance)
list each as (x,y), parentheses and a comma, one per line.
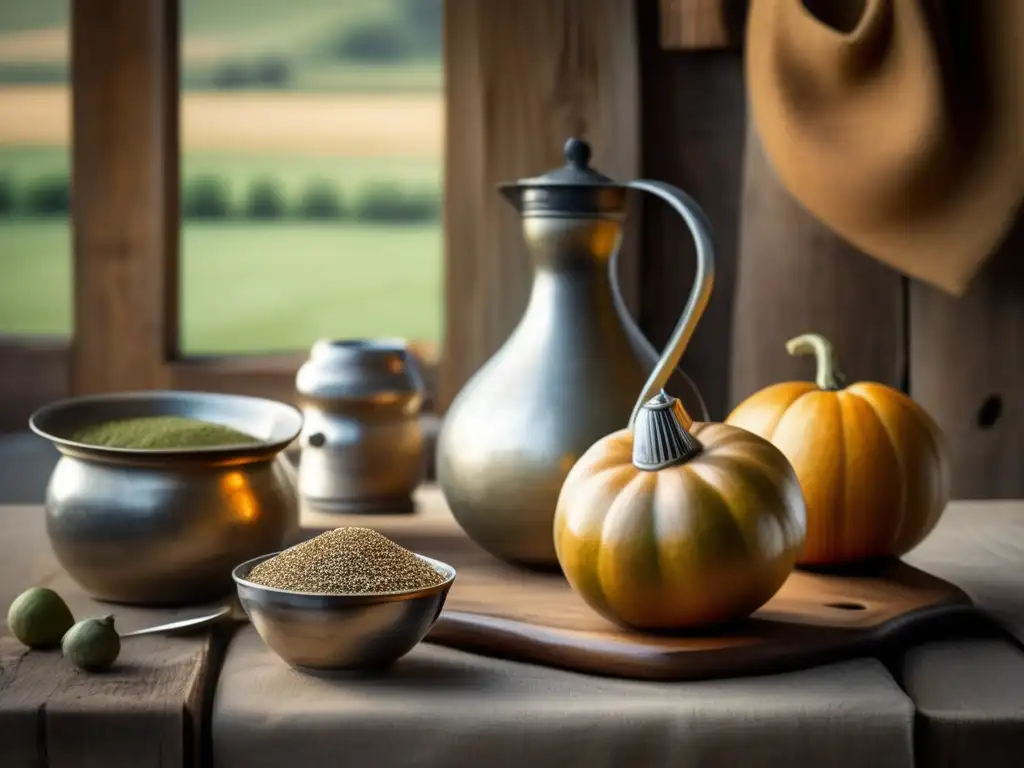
(897,123)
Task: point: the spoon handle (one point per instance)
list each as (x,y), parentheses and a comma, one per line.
(184,626)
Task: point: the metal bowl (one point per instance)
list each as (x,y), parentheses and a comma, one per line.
(341,632)
(165,527)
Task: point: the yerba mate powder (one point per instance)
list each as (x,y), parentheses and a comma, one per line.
(346,561)
(161,433)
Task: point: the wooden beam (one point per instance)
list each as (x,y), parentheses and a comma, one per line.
(124,76)
(522,76)
(702,24)
(967,370)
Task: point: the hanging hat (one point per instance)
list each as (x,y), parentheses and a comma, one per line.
(897,123)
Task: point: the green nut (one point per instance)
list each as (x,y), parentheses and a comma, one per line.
(92,644)
(39,617)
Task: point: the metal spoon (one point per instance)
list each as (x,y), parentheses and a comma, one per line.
(184,626)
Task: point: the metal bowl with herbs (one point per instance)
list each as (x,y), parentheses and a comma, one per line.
(347,599)
(157,495)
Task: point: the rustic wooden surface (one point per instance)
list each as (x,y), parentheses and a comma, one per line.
(979,545)
(146,712)
(702,24)
(794,276)
(35,372)
(968,693)
(967,370)
(500,611)
(125,192)
(693,134)
(521,77)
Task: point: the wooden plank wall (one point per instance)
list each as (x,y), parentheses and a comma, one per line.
(967,369)
(794,276)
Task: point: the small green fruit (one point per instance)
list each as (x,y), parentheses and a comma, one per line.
(39,617)
(92,644)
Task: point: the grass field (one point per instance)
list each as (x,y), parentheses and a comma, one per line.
(249,287)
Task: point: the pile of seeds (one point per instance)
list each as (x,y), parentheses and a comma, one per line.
(346,561)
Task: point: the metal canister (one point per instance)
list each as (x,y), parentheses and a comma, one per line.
(361,447)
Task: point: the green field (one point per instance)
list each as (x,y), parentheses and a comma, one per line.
(292,171)
(251,287)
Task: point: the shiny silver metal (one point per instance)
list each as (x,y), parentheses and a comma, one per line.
(575,369)
(335,632)
(362,442)
(166,527)
(184,627)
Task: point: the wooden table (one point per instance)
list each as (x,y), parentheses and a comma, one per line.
(224,700)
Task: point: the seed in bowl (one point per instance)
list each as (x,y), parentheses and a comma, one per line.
(346,561)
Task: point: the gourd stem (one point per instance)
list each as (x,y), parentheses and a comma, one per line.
(828,376)
(660,436)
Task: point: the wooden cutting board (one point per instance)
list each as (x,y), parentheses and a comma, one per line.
(496,610)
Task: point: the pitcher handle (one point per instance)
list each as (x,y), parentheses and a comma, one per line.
(641,344)
(704,279)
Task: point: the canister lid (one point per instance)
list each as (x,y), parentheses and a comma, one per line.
(354,369)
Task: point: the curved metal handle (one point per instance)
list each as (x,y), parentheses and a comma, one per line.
(700,229)
(642,346)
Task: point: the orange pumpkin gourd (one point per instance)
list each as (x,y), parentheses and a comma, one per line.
(872,463)
(677,524)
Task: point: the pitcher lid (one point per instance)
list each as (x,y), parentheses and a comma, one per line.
(573,189)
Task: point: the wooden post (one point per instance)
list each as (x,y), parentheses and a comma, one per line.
(693,132)
(522,76)
(124,76)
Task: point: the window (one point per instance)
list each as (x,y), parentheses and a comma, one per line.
(153,305)
(311,136)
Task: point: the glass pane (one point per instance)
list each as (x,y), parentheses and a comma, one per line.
(311,172)
(35,242)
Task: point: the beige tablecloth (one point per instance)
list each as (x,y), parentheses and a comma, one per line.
(441,707)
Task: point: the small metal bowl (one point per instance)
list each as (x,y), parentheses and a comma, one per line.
(313,631)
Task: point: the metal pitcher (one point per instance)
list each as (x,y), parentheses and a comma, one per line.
(520,423)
